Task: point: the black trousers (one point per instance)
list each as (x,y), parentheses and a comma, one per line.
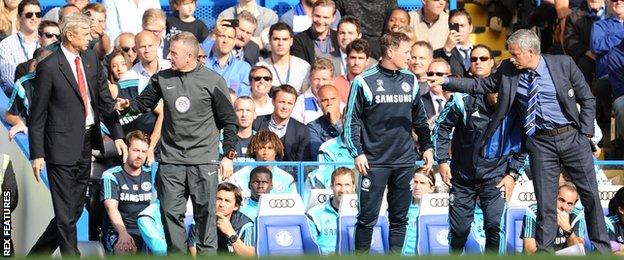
(571,152)
(68,187)
(371,192)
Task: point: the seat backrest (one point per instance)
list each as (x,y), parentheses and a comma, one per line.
(345,242)
(513,229)
(282,227)
(318,196)
(87,249)
(523,195)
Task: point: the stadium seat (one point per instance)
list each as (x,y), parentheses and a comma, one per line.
(318,196)
(86,248)
(522,197)
(282,227)
(345,243)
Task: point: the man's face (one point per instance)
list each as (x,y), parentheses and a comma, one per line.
(225,40)
(521,59)
(245,112)
(438,69)
(179,56)
(343,184)
(79,3)
(347,32)
(283,104)
(422,186)
(79,38)
(137,154)
(147,48)
(465,28)
(49,35)
(401,55)
(260,183)
(322,17)
(65,11)
(126,44)
(318,78)
(29,20)
(617,7)
(329,100)
(434,6)
(420,60)
(356,62)
(244,31)
(98,22)
(281,42)
(266,153)
(566,200)
(226,202)
(595,4)
(481,63)
(261,81)
(157,29)
(397,19)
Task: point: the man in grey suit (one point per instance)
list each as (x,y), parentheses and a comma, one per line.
(544,90)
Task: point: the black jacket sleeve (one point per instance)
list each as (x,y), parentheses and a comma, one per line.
(148,99)
(447,120)
(477,85)
(106,103)
(39,110)
(224,115)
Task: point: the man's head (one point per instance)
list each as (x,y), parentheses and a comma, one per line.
(68,9)
(183,52)
(342,182)
(617,8)
(81,4)
(261,80)
(596,4)
(201,56)
(349,29)
(329,99)
(229,199)
(138,144)
(616,204)
(398,17)
(154,20)
(438,67)
(435,7)
(421,56)
(284,100)
(29,16)
(49,32)
(463,21)
(422,184)
(321,73)
(125,42)
(265,146)
(146,45)
(247,24)
(524,47)
(260,181)
(76,31)
(245,111)
(323,15)
(567,197)
(395,48)
(481,61)
(97,13)
(357,52)
(225,40)
(281,39)
(185,8)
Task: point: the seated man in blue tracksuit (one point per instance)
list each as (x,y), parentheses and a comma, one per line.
(421,184)
(323,218)
(260,182)
(615,222)
(487,172)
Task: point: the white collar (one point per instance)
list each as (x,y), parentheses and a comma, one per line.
(434,97)
(70,56)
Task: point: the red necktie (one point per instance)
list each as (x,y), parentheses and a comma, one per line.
(82,86)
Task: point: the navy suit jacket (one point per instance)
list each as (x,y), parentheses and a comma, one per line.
(296,140)
(456,60)
(569,83)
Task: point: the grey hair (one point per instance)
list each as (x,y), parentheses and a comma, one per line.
(123,34)
(73,21)
(188,40)
(525,39)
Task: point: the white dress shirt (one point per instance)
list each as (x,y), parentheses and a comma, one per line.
(89,121)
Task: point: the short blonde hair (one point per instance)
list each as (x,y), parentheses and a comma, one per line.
(188,40)
(73,21)
(154,15)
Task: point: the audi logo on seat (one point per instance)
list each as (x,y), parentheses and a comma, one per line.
(353,203)
(526,196)
(281,203)
(439,202)
(323,197)
(606,195)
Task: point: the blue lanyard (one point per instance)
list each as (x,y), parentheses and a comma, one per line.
(24,48)
(277,73)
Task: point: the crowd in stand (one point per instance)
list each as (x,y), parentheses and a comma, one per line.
(289,80)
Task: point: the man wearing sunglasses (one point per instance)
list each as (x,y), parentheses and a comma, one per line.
(456,50)
(435,99)
(20,46)
(48,34)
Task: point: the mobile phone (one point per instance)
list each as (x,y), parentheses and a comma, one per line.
(454,27)
(233,23)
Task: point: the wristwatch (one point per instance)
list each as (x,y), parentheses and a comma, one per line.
(231,154)
(514,174)
(566,233)
(232,239)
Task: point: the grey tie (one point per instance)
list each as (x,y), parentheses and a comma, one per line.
(440,106)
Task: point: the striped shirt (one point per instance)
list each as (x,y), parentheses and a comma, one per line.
(15,50)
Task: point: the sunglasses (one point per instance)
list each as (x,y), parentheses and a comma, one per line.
(439,74)
(127,49)
(265,78)
(30,15)
(482,58)
(202,56)
(49,35)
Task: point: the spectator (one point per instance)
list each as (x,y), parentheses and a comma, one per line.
(260,182)
(371,15)
(431,23)
(422,55)
(245,110)
(67,10)
(292,133)
(54,14)
(183,20)
(396,19)
(456,50)
(223,62)
(286,68)
(101,43)
(615,222)
(125,42)
(323,218)
(349,29)
(245,49)
(265,146)
(319,39)
(577,35)
(125,16)
(606,35)
(422,184)
(119,64)
(8,18)
(155,21)
(329,125)
(482,61)
(202,58)
(299,18)
(435,100)
(236,231)
(261,79)
(20,46)
(307,108)
(49,33)
(570,221)
(265,17)
(126,191)
(358,59)
(615,67)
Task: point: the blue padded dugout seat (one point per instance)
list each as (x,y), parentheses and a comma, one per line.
(345,243)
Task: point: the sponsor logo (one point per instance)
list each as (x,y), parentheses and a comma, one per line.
(281,203)
(284,238)
(146,186)
(442,237)
(353,203)
(124,187)
(527,196)
(366,183)
(406,87)
(380,85)
(405,98)
(323,197)
(439,202)
(570,93)
(607,195)
(170,87)
(182,104)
